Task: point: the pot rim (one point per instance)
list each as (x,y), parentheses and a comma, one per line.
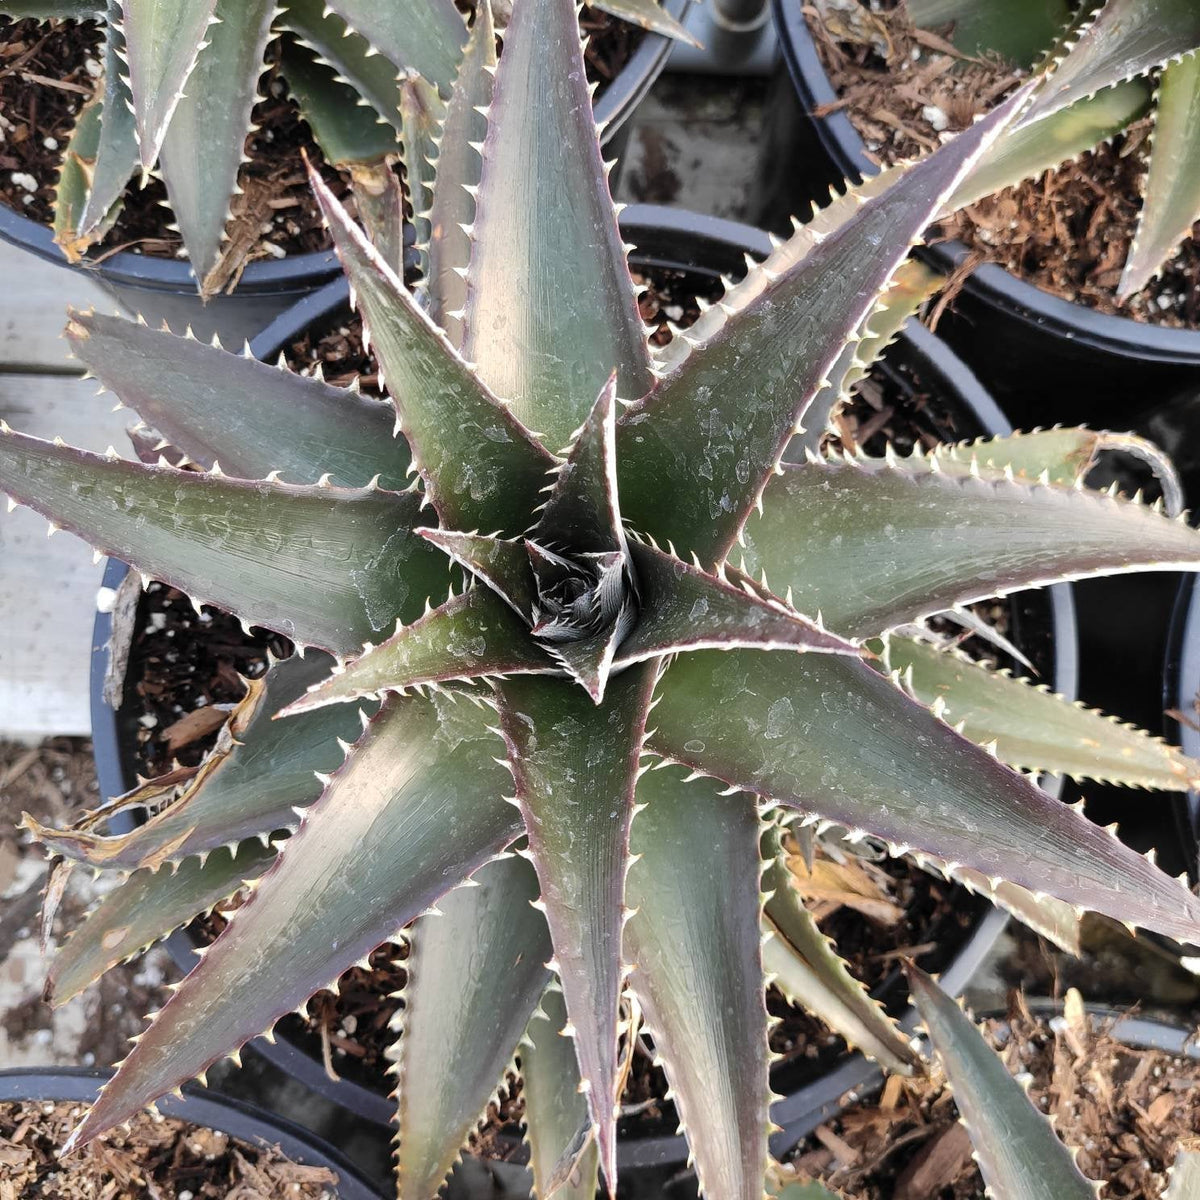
(989,283)
(303,272)
(673,231)
(198,1106)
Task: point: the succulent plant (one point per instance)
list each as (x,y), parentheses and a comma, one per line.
(1104,66)
(179,86)
(614,616)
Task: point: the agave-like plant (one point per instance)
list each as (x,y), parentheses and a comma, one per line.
(1105,66)
(180,82)
(514,735)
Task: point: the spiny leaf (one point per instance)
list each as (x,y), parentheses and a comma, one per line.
(475,973)
(476,459)
(549,231)
(372,75)
(829,736)
(693,940)
(1026,151)
(913,285)
(195,396)
(692,477)
(421,114)
(162,43)
(575,764)
(250,785)
(204,144)
(1033,728)
(870,544)
(469,637)
(74,179)
(809,971)
(502,565)
(1171,202)
(458,169)
(117,149)
(425,36)
(556,1112)
(682,608)
(326,566)
(350,134)
(144,909)
(1015,1145)
(649,14)
(1018,30)
(415,809)
(1126,38)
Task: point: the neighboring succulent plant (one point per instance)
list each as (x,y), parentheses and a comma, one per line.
(180,82)
(1107,67)
(516,715)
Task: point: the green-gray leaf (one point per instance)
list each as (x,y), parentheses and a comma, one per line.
(416,808)
(549,231)
(476,970)
(694,941)
(1016,1147)
(1018,30)
(195,396)
(328,567)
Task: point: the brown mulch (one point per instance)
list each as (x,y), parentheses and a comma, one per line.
(48,71)
(906,90)
(1124,1110)
(153,1158)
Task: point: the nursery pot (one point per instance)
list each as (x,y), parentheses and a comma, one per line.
(164,289)
(1044,360)
(198,1106)
(1043,623)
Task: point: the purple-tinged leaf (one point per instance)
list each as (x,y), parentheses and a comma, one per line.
(416,808)
(694,943)
(162,42)
(195,395)
(545,227)
(562,1151)
(471,636)
(829,736)
(328,567)
(458,169)
(871,543)
(249,785)
(144,909)
(575,764)
(425,36)
(683,608)
(204,143)
(1018,1152)
(1031,727)
(692,469)
(1124,39)
(475,972)
(649,14)
(502,565)
(810,973)
(477,461)
(1171,192)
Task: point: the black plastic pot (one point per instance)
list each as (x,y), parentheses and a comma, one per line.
(701,246)
(164,289)
(199,1106)
(1045,360)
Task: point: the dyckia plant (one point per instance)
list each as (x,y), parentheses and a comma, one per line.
(1106,65)
(180,82)
(637,580)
